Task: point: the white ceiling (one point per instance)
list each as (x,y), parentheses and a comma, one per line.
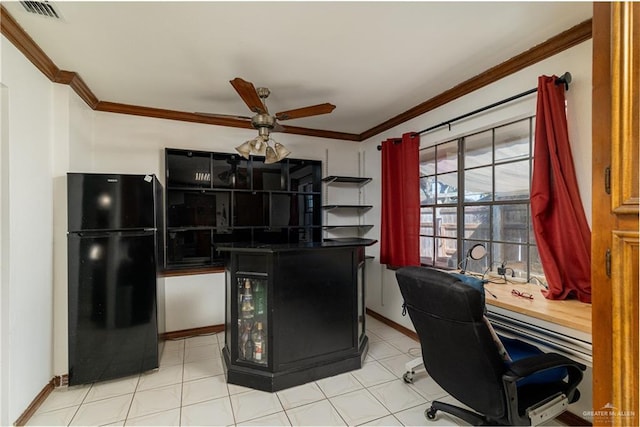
(373,60)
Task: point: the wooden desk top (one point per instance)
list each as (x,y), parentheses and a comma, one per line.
(570,313)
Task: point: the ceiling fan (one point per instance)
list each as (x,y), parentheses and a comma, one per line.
(266,122)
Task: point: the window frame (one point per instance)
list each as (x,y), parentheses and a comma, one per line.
(461,204)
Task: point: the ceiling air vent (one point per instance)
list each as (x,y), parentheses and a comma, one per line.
(42,8)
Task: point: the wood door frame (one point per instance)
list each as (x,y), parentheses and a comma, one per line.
(614,256)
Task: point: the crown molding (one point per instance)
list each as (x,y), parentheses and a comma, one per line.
(552,46)
(78,85)
(19,38)
(25,44)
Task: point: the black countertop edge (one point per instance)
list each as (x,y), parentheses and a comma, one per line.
(284,247)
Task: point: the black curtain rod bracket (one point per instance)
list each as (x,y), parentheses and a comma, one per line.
(563,79)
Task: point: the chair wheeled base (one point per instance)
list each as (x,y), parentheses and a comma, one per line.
(413,366)
(537,415)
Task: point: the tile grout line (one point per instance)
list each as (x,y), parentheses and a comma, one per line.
(184,357)
(330,403)
(133,396)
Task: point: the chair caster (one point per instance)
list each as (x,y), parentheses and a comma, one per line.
(408,377)
(430,413)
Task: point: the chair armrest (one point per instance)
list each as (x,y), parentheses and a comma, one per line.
(530,365)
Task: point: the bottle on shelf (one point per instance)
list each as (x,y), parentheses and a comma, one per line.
(259,344)
(246,304)
(248,345)
(244,329)
(259,293)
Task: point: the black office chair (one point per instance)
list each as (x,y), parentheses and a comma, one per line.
(460,353)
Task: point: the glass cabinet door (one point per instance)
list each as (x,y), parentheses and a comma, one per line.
(252,320)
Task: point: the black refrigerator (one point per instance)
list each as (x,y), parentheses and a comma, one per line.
(115,252)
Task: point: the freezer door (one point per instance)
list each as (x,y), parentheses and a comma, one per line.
(110,202)
(112,306)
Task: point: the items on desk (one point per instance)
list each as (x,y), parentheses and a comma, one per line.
(517,293)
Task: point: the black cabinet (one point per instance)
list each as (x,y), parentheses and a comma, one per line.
(305,305)
(215,198)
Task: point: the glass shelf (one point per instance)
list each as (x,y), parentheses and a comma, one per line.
(337,227)
(357,207)
(345,180)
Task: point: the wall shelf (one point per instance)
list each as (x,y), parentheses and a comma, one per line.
(356,210)
(346,180)
(361,228)
(361,208)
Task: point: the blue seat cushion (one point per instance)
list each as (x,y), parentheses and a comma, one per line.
(474,282)
(521,350)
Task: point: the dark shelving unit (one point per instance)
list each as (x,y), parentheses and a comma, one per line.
(213,198)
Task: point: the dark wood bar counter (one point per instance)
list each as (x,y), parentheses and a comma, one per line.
(294,312)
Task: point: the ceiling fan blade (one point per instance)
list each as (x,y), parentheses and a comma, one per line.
(313,110)
(277,127)
(223,116)
(248,93)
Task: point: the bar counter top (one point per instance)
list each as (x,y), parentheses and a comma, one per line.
(288,247)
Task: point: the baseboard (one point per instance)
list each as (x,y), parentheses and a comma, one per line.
(186,333)
(398,327)
(35,404)
(61,380)
(571,419)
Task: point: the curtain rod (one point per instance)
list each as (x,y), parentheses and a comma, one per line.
(563,79)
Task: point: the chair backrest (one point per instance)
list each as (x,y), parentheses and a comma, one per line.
(457,346)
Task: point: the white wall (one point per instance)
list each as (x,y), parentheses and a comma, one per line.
(194,301)
(72,134)
(27,237)
(383,295)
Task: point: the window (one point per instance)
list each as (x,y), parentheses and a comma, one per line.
(475,189)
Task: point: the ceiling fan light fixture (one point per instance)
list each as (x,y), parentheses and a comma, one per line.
(281,151)
(270,155)
(244,149)
(259,146)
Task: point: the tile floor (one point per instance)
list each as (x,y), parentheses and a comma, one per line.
(189,389)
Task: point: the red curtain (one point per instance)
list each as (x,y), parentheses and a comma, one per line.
(559,223)
(400,234)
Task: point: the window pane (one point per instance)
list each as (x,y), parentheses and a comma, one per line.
(426,250)
(428,190)
(476,222)
(447,188)
(426,221)
(512,181)
(512,256)
(447,222)
(477,149)
(512,141)
(535,264)
(533,135)
(511,223)
(446,253)
(448,157)
(478,184)
(427,161)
